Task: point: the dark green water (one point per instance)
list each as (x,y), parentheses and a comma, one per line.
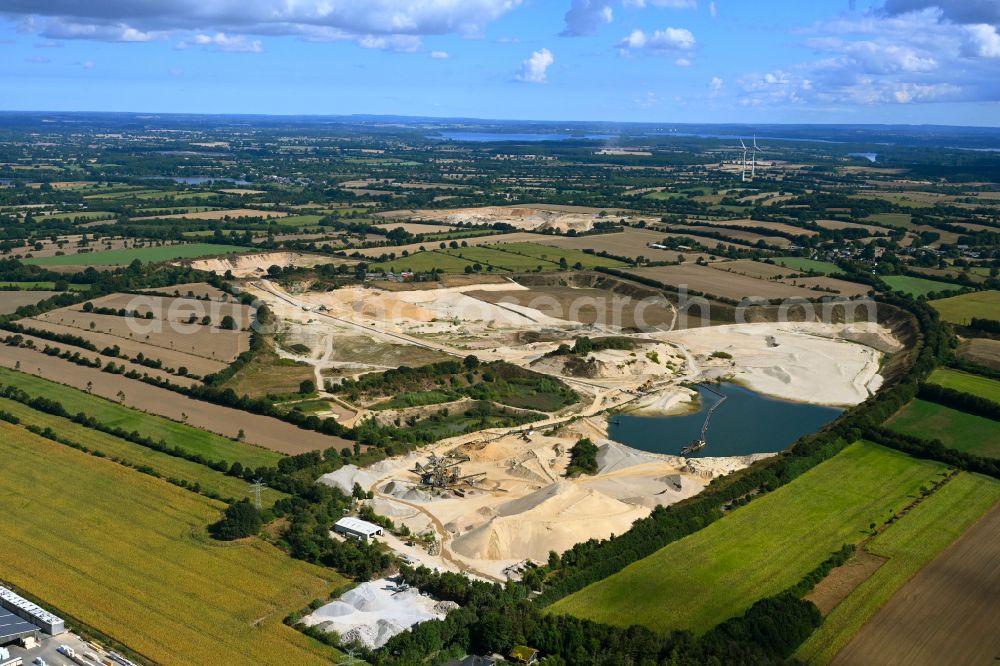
(747,422)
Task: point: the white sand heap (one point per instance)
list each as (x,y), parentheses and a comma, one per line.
(552,518)
(345,478)
(374,612)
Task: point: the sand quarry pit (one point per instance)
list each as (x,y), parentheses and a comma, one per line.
(520,506)
(255,265)
(526,218)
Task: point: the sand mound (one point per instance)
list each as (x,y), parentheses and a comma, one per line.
(551,518)
(345,478)
(521,217)
(374,612)
(612,456)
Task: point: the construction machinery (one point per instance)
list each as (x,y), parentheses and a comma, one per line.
(445,472)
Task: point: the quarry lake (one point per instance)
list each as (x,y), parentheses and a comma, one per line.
(747,422)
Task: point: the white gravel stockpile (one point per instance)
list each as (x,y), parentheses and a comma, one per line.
(372,613)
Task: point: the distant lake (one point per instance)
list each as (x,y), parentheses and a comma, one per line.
(500,136)
(868,156)
(747,422)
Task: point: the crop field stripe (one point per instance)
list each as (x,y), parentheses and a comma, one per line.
(955,429)
(959,627)
(961,309)
(194,440)
(803,264)
(759,549)
(983,387)
(112,447)
(124,256)
(128,555)
(915,286)
(913,541)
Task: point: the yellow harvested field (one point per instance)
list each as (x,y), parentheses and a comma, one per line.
(220,214)
(416,228)
(128,555)
(190,289)
(629,243)
(719,283)
(842,287)
(177,308)
(754,269)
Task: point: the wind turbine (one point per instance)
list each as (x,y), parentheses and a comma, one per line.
(753,158)
(743,173)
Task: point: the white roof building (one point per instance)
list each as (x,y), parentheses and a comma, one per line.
(357,528)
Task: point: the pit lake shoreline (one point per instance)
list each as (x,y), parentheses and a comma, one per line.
(747,423)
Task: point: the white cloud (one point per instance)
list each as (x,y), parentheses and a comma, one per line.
(982,40)
(666,4)
(534,68)
(715,84)
(38,60)
(440,55)
(398,43)
(585,16)
(712,9)
(682,62)
(115,20)
(660,41)
(220,41)
(87,64)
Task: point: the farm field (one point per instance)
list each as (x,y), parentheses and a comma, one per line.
(759,549)
(841,224)
(737,235)
(190,290)
(123,257)
(902,220)
(128,555)
(804,264)
(958,627)
(42,285)
(413,248)
(746,222)
(984,387)
(416,228)
(981,350)
(299,220)
(192,440)
(841,287)
(114,448)
(915,286)
(499,259)
(754,269)
(217,214)
(424,262)
(719,283)
(961,309)
(267,373)
(955,429)
(909,544)
(548,253)
(262,431)
(628,243)
(10,301)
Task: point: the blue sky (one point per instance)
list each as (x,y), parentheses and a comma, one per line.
(881,61)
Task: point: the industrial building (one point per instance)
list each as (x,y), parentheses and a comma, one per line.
(355,528)
(34,614)
(13,628)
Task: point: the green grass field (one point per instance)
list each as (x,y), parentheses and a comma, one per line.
(422,262)
(128,555)
(955,429)
(194,440)
(298,220)
(961,309)
(554,254)
(913,541)
(803,264)
(86,215)
(490,256)
(967,383)
(168,466)
(915,286)
(43,286)
(902,220)
(123,257)
(760,549)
